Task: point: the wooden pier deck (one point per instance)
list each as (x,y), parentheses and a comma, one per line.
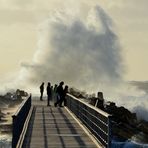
(55,127)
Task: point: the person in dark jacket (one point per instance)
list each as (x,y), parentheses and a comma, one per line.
(49,93)
(60,94)
(55,93)
(64,95)
(41,91)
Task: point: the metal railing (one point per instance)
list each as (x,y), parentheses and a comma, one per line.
(96,120)
(19,119)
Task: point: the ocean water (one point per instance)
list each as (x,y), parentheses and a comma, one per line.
(127,144)
(5,141)
(6,137)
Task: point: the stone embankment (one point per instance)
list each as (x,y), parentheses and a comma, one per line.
(125,124)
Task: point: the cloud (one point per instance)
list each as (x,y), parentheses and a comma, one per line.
(15,4)
(142,85)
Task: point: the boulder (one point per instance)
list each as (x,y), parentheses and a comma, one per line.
(98,102)
(121,114)
(93,101)
(143,126)
(1,115)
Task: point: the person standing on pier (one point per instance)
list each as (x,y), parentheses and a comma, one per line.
(49,93)
(41,91)
(64,95)
(60,93)
(55,93)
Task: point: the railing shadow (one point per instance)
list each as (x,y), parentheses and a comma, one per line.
(58,130)
(44,129)
(73,130)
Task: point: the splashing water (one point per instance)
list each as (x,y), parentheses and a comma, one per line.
(77,52)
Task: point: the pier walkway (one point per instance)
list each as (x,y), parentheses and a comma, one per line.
(53,128)
(58,127)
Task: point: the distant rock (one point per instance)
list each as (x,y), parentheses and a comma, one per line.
(77,93)
(11,99)
(18,94)
(121,114)
(93,101)
(97,101)
(1,115)
(143,126)
(6,128)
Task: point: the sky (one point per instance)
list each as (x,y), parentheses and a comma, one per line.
(20,24)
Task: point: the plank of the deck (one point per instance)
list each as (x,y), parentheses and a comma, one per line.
(52,127)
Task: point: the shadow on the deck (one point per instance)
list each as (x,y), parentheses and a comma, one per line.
(55,127)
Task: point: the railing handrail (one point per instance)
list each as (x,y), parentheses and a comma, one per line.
(91,106)
(20,107)
(94,119)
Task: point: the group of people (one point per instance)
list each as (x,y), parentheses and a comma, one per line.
(58,93)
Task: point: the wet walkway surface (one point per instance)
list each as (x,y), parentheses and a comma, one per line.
(54,127)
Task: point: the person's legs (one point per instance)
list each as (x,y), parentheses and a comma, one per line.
(41,97)
(48,103)
(58,100)
(55,98)
(61,101)
(55,104)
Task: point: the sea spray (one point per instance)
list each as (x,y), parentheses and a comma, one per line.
(77,52)
(5,141)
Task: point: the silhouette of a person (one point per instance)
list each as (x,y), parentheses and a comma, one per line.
(55,93)
(60,93)
(49,93)
(52,92)
(64,95)
(41,91)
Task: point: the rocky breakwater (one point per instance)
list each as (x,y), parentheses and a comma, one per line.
(125,124)
(8,105)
